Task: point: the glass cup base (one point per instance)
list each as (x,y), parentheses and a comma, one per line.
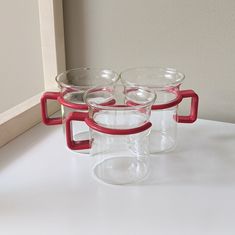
(121,170)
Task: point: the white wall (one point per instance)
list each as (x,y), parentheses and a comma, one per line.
(20,57)
(194,36)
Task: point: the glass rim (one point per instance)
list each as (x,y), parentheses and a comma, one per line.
(156,68)
(122,106)
(64,85)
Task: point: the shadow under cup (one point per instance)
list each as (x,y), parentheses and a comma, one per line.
(73,84)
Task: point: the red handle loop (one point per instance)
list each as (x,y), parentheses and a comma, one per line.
(192,117)
(72,144)
(46,120)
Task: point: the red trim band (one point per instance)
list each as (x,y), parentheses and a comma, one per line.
(68,104)
(93,125)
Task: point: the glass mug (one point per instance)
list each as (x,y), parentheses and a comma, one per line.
(73,84)
(119,133)
(166,83)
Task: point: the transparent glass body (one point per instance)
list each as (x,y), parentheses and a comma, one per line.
(165,82)
(120,158)
(163,136)
(73,84)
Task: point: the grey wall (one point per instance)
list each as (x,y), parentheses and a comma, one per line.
(20,57)
(196,37)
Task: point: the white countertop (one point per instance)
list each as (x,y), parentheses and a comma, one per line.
(47,189)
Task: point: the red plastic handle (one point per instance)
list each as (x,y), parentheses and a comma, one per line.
(192,117)
(46,120)
(72,144)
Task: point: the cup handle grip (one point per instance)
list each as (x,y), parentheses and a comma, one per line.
(71,143)
(46,120)
(192,117)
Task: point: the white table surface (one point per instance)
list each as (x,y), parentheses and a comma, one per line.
(47,189)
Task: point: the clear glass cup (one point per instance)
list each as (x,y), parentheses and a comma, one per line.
(73,84)
(119,132)
(166,83)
